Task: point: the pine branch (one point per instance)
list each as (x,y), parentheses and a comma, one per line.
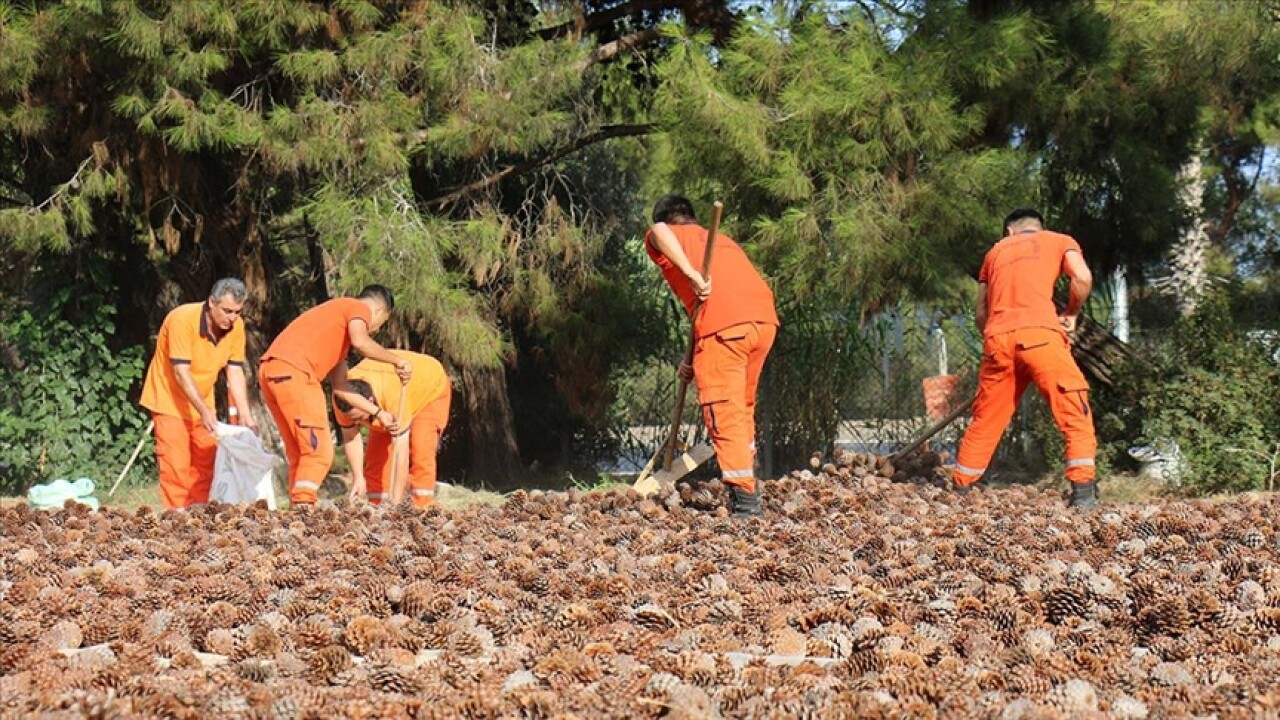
(582,25)
(607,132)
(610,50)
(73,182)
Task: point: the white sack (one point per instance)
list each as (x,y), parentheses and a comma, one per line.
(242,472)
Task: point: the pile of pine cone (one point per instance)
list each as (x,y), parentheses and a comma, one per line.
(855,596)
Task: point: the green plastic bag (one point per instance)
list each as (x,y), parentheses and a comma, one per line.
(52,495)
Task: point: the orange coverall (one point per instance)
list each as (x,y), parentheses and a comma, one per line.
(1024,344)
(185,451)
(426,413)
(735,330)
(289,376)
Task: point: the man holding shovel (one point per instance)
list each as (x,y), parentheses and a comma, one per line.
(734,329)
(312,348)
(1025,342)
(423,417)
(196,341)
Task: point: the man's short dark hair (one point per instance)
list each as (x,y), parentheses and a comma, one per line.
(360,386)
(381,293)
(1023,213)
(674,210)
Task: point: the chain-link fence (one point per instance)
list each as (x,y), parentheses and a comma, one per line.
(923,363)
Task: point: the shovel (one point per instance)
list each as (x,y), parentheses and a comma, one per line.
(690,459)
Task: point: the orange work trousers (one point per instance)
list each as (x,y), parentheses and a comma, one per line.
(424,440)
(727,366)
(185,453)
(1012,361)
(297,402)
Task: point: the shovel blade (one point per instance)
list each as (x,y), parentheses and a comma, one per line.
(681,465)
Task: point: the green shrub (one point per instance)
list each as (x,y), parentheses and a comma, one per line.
(1211,388)
(64,406)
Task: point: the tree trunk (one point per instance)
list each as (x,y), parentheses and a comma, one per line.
(495,457)
(1188,279)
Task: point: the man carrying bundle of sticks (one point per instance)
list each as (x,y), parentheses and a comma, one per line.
(1025,341)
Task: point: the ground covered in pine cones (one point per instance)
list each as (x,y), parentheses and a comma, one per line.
(856,596)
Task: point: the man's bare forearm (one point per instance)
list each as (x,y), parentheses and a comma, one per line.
(188,384)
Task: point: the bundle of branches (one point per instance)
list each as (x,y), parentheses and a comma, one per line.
(1097,351)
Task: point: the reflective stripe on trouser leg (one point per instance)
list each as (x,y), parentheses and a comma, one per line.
(965,476)
(423,498)
(1081,470)
(304,491)
(374,498)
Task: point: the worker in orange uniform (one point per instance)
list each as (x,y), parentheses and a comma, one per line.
(734,331)
(312,348)
(426,413)
(196,342)
(1025,341)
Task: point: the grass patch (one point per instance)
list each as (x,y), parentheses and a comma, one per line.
(453,497)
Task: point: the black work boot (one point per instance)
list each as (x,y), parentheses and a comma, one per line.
(1084,496)
(745,504)
(961,489)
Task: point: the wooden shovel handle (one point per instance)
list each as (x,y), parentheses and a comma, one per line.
(937,428)
(669,451)
(397,447)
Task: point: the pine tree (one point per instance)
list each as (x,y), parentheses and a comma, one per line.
(313,147)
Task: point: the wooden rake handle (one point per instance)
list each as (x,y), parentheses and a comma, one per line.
(669,449)
(137,449)
(398,444)
(937,428)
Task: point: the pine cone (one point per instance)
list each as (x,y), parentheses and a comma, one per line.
(1165,617)
(314,633)
(254,671)
(1267,619)
(389,679)
(534,581)
(652,617)
(364,633)
(1204,607)
(329,661)
(1065,601)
